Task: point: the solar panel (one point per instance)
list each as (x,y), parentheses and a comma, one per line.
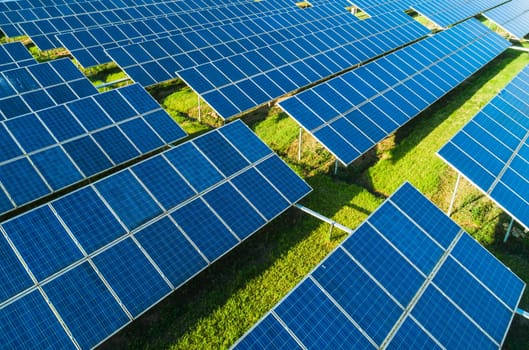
(513,16)
(14,55)
(446,13)
(114,248)
(491,150)
(353,112)
(88,45)
(379,7)
(49,150)
(407,278)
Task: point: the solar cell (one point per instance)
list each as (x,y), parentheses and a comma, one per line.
(491,150)
(110,250)
(349,114)
(64,144)
(14,55)
(369,293)
(513,16)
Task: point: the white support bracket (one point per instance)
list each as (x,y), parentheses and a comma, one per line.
(325,219)
(522,313)
(454,195)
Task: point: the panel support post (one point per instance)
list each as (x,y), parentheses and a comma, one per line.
(522,313)
(336,167)
(509,229)
(299,144)
(330,230)
(199,109)
(454,195)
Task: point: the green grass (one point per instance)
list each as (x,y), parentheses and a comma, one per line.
(214,309)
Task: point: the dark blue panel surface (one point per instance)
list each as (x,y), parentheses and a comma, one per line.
(88,218)
(128,199)
(13,274)
(22,182)
(42,241)
(205,229)
(30,133)
(7,145)
(141,135)
(221,153)
(116,145)
(115,105)
(29,323)
(171,251)
(353,289)
(407,237)
(315,320)
(87,155)
(411,336)
(56,167)
(61,123)
(234,210)
(385,264)
(193,166)
(86,305)
(262,195)
(163,182)
(164,126)
(133,278)
(245,141)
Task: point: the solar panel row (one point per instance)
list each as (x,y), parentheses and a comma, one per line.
(88,263)
(237,83)
(56,147)
(513,16)
(14,55)
(448,12)
(492,150)
(353,112)
(88,46)
(407,278)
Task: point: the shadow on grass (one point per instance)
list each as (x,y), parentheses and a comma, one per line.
(431,118)
(180,312)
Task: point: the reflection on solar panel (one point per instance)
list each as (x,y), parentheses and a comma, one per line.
(492,150)
(353,112)
(88,46)
(40,86)
(513,16)
(107,252)
(237,83)
(407,278)
(448,12)
(379,7)
(49,150)
(14,55)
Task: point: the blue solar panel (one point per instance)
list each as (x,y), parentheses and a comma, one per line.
(110,250)
(513,16)
(14,55)
(491,150)
(124,124)
(352,112)
(368,293)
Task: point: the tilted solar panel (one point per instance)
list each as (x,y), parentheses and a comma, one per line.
(379,7)
(513,16)
(492,149)
(237,83)
(78,269)
(46,151)
(448,12)
(353,112)
(407,278)
(15,55)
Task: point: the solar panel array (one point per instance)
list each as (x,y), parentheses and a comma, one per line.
(56,147)
(352,112)
(492,150)
(238,83)
(448,12)
(39,86)
(14,55)
(407,278)
(513,16)
(88,46)
(78,269)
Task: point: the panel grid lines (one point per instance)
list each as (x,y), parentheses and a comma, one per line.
(158,236)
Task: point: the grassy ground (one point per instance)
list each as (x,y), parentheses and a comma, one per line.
(218,306)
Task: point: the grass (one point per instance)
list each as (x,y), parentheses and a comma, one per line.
(214,309)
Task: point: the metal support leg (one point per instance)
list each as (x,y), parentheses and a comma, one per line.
(299,144)
(336,167)
(509,229)
(330,231)
(454,195)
